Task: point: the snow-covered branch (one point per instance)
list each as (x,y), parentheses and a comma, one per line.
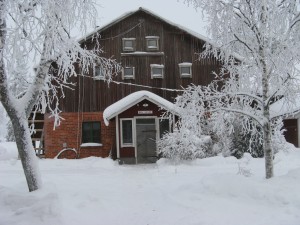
(36,40)
(267,35)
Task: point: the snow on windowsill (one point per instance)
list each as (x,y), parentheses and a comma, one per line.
(186,75)
(184,64)
(91,145)
(152,37)
(141,53)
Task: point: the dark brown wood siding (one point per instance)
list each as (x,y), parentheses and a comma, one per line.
(175,46)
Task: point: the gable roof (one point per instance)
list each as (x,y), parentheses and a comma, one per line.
(180,27)
(134,98)
(126,15)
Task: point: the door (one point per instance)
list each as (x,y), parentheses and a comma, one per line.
(146,140)
(291,133)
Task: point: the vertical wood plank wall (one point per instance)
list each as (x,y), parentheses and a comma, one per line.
(176,45)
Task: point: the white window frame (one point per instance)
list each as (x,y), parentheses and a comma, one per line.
(152,47)
(187,65)
(96,76)
(159,66)
(128,49)
(132,133)
(128,76)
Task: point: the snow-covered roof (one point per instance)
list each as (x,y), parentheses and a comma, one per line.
(132,99)
(127,14)
(286,108)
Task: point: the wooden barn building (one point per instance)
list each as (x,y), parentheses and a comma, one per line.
(122,120)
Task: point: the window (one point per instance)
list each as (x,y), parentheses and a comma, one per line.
(185,69)
(128,72)
(157,71)
(128,44)
(126,133)
(152,43)
(164,127)
(91,132)
(98,72)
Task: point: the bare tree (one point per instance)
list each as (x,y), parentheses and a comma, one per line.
(39,31)
(264,35)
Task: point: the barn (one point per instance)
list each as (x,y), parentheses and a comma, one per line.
(125,118)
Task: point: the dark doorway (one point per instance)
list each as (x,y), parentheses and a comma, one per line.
(291,133)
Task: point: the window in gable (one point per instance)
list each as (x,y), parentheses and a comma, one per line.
(128,44)
(185,69)
(91,132)
(152,43)
(157,71)
(128,73)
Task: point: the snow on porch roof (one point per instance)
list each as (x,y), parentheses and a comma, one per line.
(132,99)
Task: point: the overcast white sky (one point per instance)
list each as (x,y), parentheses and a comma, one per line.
(174,10)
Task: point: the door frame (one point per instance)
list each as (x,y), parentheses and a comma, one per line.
(134,131)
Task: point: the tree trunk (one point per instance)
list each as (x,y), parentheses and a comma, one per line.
(267,147)
(268,153)
(26,152)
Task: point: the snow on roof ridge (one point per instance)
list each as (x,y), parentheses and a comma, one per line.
(132,99)
(126,14)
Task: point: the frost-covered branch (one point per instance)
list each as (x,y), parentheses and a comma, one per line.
(37,40)
(266,35)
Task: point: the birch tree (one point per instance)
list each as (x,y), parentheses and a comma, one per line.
(264,36)
(38,32)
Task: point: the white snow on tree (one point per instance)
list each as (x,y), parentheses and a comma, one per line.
(264,38)
(188,140)
(39,31)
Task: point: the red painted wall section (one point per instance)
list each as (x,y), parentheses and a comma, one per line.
(70,132)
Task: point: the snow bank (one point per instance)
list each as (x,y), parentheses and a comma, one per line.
(19,208)
(207,191)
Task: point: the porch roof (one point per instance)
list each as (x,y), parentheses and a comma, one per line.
(134,98)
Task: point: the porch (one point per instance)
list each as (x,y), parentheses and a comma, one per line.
(140,122)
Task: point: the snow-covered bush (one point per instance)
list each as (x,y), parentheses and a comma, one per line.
(190,139)
(278,140)
(232,130)
(184,144)
(236,137)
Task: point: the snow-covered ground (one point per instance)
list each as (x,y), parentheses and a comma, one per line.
(97,191)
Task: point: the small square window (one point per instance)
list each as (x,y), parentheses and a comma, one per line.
(185,70)
(128,72)
(98,72)
(157,71)
(91,132)
(152,43)
(128,44)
